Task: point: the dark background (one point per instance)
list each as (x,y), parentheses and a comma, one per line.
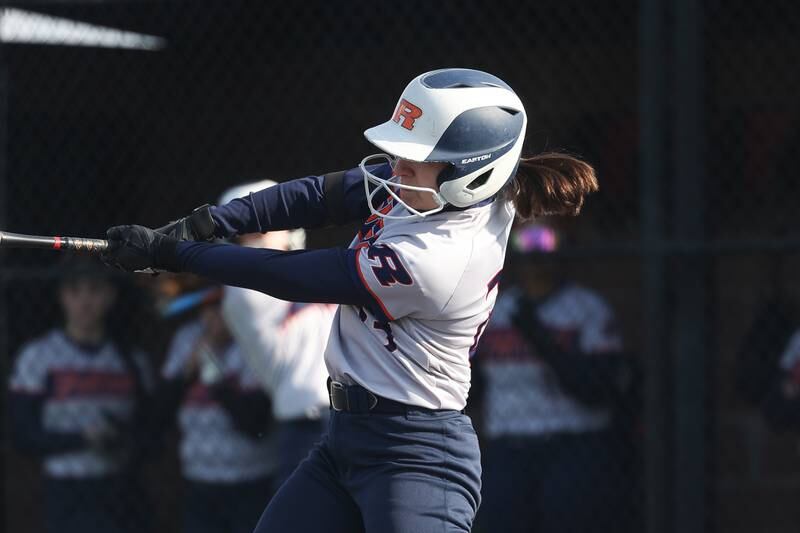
(688,110)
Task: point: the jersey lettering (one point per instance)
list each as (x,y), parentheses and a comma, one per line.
(74,383)
(408,112)
(377,324)
(372,227)
(387,267)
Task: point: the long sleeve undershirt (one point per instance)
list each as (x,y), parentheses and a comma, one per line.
(319,276)
(299,203)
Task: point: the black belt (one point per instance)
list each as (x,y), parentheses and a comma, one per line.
(357,399)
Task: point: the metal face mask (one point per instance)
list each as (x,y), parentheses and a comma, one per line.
(374,186)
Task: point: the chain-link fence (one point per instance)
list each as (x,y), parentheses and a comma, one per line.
(640,370)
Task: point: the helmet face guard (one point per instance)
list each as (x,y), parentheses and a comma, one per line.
(391,186)
(468,119)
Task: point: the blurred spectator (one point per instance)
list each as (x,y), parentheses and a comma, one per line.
(226,460)
(768,372)
(283,344)
(548,373)
(76,395)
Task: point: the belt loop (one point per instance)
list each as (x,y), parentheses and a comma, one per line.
(328,386)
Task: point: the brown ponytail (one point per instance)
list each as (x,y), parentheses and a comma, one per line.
(551,184)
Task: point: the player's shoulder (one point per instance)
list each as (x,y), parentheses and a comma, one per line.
(412,273)
(427,256)
(47,345)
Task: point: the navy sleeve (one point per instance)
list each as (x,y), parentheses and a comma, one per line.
(28,433)
(309,202)
(318,276)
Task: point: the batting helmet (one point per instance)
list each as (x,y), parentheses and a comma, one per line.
(469,119)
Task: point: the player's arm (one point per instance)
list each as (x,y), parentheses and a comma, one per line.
(29,388)
(28,433)
(254,320)
(311,202)
(595,378)
(320,276)
(374,277)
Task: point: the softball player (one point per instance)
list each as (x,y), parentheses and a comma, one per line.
(281,343)
(223,415)
(781,402)
(415,287)
(551,364)
(74,392)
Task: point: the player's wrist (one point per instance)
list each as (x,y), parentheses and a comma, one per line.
(199,225)
(165,254)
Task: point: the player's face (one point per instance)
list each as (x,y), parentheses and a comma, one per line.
(418,175)
(86,302)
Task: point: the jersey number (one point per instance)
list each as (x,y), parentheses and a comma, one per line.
(377,324)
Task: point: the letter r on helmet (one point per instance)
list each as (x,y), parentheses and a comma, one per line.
(408,112)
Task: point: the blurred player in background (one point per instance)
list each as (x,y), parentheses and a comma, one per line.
(781,403)
(768,360)
(550,370)
(227,459)
(76,396)
(416,288)
(282,344)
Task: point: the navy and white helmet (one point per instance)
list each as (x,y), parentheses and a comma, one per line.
(469,119)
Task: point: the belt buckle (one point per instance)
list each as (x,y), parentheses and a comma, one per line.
(337,390)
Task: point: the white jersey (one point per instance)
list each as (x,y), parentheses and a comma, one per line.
(212,450)
(523,396)
(283,344)
(78,387)
(434,281)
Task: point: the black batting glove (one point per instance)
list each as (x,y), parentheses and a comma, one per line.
(198,226)
(136,248)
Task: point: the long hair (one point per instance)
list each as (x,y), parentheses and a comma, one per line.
(551,183)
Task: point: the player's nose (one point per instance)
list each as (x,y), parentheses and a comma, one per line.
(402,168)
